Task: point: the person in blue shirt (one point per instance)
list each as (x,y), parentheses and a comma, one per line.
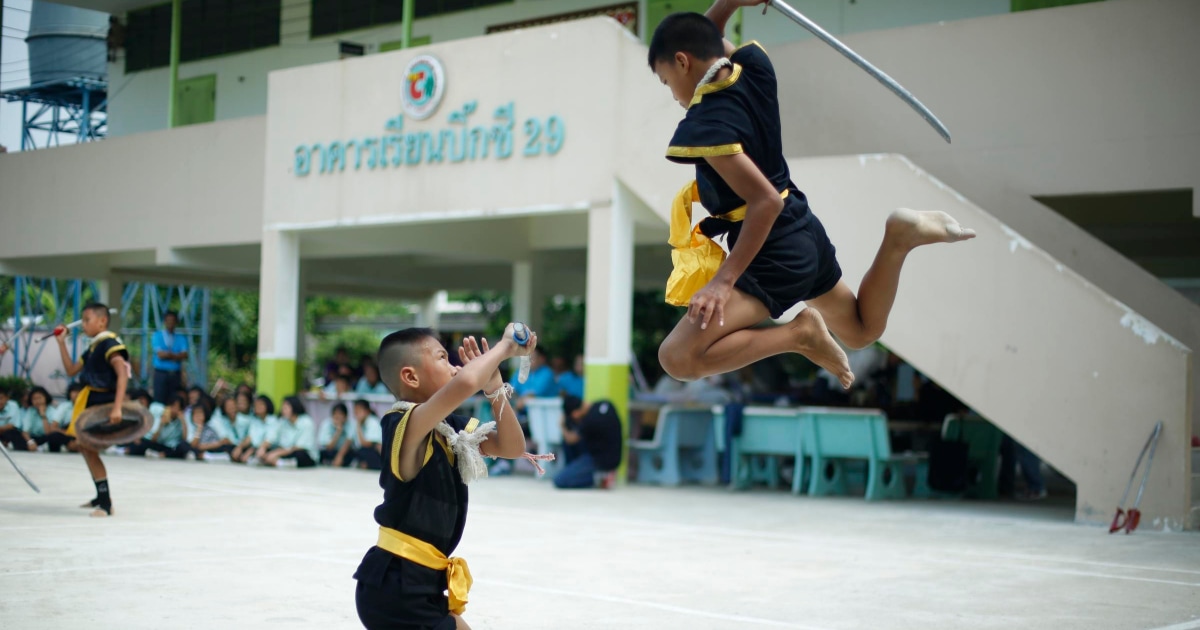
(41,422)
(141,445)
(170,350)
(12,423)
(370,382)
(296,436)
(570,382)
(366,434)
(540,383)
(334,439)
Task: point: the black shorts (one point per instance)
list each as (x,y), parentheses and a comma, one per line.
(396,594)
(795,264)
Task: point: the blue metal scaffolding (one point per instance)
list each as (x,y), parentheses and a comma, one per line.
(75,107)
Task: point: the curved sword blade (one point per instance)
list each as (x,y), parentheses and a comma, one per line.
(879,75)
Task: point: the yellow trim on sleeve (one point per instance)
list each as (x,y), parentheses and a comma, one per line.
(753,42)
(472,425)
(716,86)
(108,334)
(694,152)
(116,348)
(397,440)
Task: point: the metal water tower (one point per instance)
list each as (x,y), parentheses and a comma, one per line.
(68,87)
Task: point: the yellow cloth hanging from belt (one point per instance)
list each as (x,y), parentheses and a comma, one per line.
(458,576)
(81,401)
(695,257)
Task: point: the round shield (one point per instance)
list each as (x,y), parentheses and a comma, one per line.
(95,429)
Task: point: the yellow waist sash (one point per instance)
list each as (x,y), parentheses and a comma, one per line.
(458,576)
(695,257)
(81,401)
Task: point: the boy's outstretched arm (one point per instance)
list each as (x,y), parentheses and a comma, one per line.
(722,10)
(470,379)
(763,205)
(509,440)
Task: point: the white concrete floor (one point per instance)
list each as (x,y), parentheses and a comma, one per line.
(213,545)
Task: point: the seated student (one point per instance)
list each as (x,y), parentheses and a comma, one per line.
(204,439)
(341,387)
(296,438)
(570,382)
(366,435)
(333,438)
(231,426)
(11,424)
(142,444)
(370,382)
(42,424)
(594,430)
(171,438)
(263,426)
(62,412)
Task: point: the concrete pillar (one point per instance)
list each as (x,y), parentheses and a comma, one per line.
(522,292)
(609,325)
(429,316)
(278,314)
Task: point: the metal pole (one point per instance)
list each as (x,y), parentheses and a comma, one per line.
(25,139)
(78,291)
(145,319)
(202,360)
(16,345)
(406,36)
(85,123)
(176,29)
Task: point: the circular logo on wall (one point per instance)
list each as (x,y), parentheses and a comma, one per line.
(424,84)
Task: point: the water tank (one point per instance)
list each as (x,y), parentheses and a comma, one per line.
(66,42)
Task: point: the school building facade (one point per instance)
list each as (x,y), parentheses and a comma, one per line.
(531,161)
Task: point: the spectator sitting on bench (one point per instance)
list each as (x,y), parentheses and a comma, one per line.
(592,435)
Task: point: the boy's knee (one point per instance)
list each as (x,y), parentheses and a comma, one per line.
(861,339)
(677,363)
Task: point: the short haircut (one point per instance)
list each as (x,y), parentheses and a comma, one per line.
(297,406)
(400,350)
(690,33)
(363,404)
(74,387)
(98,309)
(178,398)
(174,314)
(340,407)
(266,400)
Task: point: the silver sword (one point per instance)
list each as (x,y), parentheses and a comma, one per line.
(18,469)
(879,75)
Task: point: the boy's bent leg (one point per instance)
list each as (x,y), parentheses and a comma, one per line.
(690,353)
(860,321)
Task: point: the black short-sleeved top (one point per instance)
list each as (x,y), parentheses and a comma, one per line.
(738,114)
(98,373)
(432,506)
(601,433)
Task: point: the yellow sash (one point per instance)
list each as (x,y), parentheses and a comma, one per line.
(81,401)
(458,576)
(695,257)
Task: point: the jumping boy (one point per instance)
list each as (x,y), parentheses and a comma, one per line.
(426,446)
(779,252)
(105,374)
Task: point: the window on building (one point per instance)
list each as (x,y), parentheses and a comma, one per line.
(338,16)
(208,28)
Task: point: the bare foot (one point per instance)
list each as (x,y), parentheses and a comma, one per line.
(101,513)
(912,228)
(814,341)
